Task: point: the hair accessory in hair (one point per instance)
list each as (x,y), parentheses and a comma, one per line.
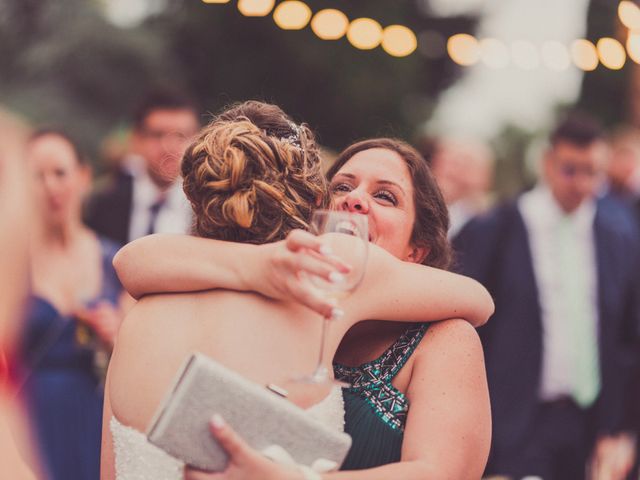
(294,137)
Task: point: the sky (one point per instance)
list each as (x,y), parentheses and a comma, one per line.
(486,99)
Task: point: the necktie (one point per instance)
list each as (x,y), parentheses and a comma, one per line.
(154,210)
(577,304)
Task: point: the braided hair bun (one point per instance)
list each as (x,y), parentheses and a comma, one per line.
(252,175)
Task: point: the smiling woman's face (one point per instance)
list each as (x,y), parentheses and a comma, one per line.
(377,183)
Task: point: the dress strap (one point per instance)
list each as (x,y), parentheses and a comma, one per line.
(387,365)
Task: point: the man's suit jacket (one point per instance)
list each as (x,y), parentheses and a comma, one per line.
(108,209)
(495,250)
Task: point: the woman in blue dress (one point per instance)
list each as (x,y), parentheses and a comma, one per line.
(72,313)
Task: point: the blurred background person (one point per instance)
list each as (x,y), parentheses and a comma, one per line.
(73,312)
(144,195)
(623,168)
(623,184)
(16,455)
(562,266)
(464,170)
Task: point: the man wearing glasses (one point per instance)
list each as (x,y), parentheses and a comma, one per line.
(562,265)
(145,195)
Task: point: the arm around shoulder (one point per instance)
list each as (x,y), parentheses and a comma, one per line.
(182,263)
(403,291)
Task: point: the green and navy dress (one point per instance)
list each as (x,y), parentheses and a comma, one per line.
(375,411)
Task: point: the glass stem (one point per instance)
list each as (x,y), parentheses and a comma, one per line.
(321,371)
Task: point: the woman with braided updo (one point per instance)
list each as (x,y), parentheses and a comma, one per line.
(254,177)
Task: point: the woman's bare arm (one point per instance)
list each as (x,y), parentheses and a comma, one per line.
(402,291)
(181,263)
(391,290)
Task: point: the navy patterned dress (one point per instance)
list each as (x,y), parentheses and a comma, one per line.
(375,411)
(62,393)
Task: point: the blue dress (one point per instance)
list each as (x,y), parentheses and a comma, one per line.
(375,412)
(62,393)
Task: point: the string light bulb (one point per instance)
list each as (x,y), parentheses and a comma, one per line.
(364,33)
(463,49)
(329,24)
(292,15)
(494,53)
(629,14)
(584,55)
(255,8)
(611,53)
(555,55)
(399,41)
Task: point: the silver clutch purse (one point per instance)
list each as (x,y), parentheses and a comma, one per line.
(204,387)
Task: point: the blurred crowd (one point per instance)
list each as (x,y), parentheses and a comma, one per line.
(561,261)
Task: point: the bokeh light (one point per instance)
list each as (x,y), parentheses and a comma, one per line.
(633,46)
(399,41)
(463,49)
(494,53)
(329,24)
(292,15)
(364,33)
(584,55)
(525,55)
(255,8)
(629,14)
(555,55)
(611,53)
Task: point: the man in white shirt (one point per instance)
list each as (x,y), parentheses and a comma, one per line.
(562,266)
(145,196)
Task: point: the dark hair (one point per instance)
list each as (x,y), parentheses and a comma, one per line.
(161,100)
(577,128)
(59,132)
(432,217)
(252,175)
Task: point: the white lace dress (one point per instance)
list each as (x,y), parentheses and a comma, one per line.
(137,459)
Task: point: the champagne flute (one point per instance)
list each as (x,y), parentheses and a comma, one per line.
(347,234)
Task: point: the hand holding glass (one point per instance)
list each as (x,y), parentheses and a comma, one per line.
(347,236)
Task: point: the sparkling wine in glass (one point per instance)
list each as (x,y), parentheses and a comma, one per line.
(347,234)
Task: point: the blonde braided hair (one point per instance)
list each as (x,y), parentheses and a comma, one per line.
(247,181)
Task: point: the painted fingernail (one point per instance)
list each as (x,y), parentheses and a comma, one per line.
(325,250)
(217,421)
(336,313)
(335,277)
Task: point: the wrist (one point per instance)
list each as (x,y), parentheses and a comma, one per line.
(249,265)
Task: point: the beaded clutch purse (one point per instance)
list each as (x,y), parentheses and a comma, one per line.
(204,387)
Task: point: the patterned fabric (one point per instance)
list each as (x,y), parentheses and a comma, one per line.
(372,380)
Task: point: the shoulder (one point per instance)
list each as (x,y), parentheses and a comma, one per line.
(613,215)
(450,359)
(155,315)
(449,342)
(480,235)
(454,333)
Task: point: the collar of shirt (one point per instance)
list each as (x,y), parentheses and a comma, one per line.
(541,208)
(146,193)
